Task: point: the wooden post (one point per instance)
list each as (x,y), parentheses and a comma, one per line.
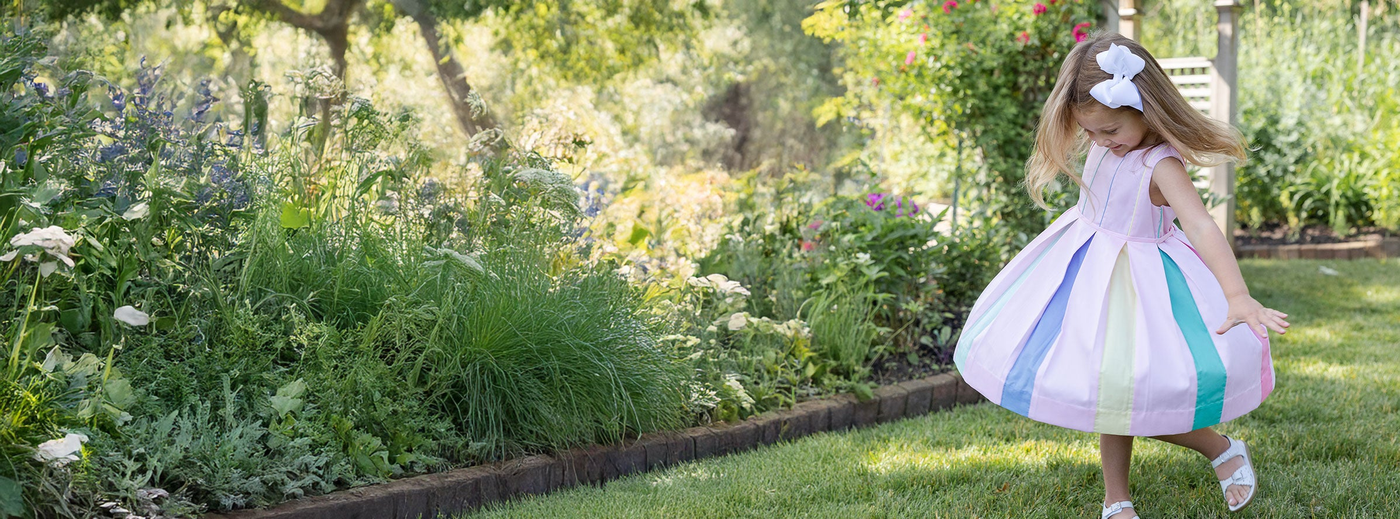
(1109,10)
(1127,18)
(1223,96)
(1361,46)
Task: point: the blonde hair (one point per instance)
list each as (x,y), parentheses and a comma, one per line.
(1201,140)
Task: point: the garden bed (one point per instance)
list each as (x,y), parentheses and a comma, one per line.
(1316,242)
(446,493)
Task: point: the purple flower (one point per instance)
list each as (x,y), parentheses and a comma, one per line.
(876,201)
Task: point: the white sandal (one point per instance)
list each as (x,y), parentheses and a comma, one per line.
(1243,476)
(1114,508)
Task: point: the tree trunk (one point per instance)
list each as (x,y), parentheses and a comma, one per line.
(332,24)
(471,119)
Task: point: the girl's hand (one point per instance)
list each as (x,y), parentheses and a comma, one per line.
(1245,310)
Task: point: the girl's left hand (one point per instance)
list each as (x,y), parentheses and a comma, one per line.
(1245,310)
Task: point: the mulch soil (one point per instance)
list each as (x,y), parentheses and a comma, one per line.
(1313,234)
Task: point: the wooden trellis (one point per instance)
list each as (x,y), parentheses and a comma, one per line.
(1208,84)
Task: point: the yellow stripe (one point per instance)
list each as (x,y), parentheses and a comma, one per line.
(1120,342)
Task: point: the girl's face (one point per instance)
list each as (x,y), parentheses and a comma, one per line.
(1121,131)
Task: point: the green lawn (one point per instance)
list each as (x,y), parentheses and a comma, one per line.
(1325,444)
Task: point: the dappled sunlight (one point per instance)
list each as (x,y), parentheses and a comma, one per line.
(1025,455)
(685,474)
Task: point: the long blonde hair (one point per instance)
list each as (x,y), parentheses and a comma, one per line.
(1201,140)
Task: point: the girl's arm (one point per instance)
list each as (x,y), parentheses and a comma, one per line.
(1175,185)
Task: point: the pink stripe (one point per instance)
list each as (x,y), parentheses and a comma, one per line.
(1266,372)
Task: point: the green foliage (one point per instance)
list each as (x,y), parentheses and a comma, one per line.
(1320,129)
(594,39)
(388,326)
(974,73)
(865,278)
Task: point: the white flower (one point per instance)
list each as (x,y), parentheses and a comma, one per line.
(47,267)
(699,282)
(130,315)
(863,258)
(151,493)
(62,450)
(738,321)
(52,239)
(138,211)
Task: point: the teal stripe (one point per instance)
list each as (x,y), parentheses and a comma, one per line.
(965,340)
(1210,371)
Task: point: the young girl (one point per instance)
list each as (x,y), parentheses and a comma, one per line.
(1102,323)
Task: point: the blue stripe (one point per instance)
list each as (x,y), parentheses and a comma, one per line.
(1109,196)
(1092,178)
(1020,381)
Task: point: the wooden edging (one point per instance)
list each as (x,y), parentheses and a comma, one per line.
(455,491)
(1388,247)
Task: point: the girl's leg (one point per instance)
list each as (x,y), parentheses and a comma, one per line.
(1116,452)
(1211,444)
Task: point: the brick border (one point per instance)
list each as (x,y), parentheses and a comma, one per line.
(466,489)
(1388,247)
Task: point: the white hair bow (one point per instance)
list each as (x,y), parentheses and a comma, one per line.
(1119,91)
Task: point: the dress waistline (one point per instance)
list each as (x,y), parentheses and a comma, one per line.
(1079,215)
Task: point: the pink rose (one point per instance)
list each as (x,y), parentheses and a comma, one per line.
(923,38)
(949,5)
(1079,34)
(905,14)
(1024,37)
(909,58)
(1039,9)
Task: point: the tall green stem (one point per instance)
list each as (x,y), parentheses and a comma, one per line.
(23,326)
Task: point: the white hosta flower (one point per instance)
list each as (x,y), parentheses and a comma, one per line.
(62,450)
(136,212)
(52,239)
(738,321)
(130,315)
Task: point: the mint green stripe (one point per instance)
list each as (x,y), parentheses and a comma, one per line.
(965,340)
(1115,408)
(1210,371)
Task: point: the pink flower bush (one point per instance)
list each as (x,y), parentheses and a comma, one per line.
(1039,9)
(949,5)
(909,58)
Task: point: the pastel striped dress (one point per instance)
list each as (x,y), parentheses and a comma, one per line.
(1105,322)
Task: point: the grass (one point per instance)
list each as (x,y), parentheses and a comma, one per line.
(1324,443)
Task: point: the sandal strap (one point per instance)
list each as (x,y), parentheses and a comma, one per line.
(1236,449)
(1109,510)
(1243,477)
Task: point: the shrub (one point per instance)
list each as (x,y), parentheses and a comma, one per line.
(969,73)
